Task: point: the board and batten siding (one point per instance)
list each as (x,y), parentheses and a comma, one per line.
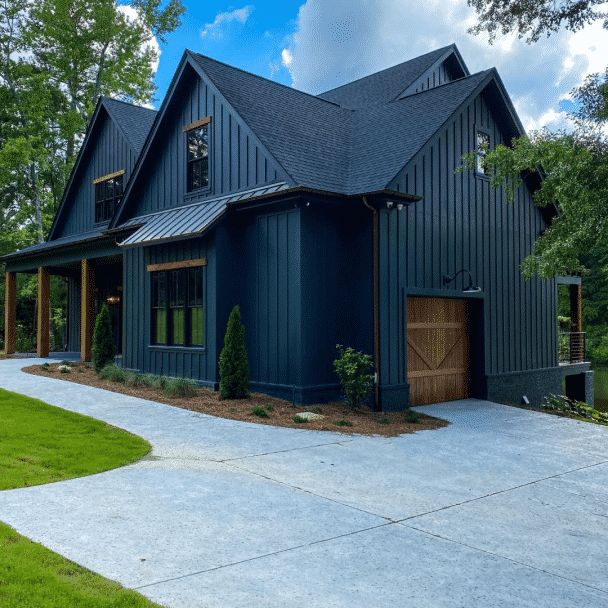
(237,160)
(463,222)
(138,352)
(108,152)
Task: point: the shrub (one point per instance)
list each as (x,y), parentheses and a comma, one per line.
(113,373)
(159,382)
(234,365)
(297,418)
(103,340)
(354,369)
(135,380)
(412,416)
(343,423)
(560,403)
(259,411)
(179,387)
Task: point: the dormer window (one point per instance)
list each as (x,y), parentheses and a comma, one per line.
(482,141)
(197,155)
(108,194)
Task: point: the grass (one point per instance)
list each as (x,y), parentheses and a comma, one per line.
(40,443)
(299,419)
(412,416)
(343,423)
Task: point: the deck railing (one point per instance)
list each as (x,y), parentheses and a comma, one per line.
(571,347)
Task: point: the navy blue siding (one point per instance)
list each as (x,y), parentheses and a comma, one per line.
(109,153)
(434,77)
(463,222)
(237,159)
(138,353)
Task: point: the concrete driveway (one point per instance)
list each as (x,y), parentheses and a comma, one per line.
(502,508)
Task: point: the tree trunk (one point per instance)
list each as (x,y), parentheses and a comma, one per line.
(36,199)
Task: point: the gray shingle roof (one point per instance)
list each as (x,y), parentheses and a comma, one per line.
(134,121)
(325,146)
(63,241)
(384,86)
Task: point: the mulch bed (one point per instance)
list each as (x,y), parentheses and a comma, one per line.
(280,412)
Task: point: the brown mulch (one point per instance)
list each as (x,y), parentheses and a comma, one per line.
(280,412)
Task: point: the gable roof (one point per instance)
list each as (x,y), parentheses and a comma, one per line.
(134,123)
(384,86)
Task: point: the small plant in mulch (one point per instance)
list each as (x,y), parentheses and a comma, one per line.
(259,411)
(299,419)
(343,423)
(354,369)
(412,416)
(234,363)
(180,387)
(113,373)
(46,367)
(578,409)
(64,369)
(103,340)
(384,420)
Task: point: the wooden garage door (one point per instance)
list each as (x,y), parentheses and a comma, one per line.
(438,349)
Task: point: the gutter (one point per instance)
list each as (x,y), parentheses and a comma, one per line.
(376,299)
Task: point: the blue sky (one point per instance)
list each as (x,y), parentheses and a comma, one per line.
(318,44)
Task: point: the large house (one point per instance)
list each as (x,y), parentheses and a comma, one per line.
(340,218)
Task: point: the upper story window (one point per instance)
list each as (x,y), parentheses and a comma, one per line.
(197,155)
(108,194)
(482,147)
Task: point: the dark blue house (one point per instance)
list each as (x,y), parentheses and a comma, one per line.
(333,219)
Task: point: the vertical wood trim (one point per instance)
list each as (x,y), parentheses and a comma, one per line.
(44,311)
(10,312)
(87,309)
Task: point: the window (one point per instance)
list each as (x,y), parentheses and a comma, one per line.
(481,150)
(177,307)
(197,141)
(108,193)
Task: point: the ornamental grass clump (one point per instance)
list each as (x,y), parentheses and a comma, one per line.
(103,340)
(179,387)
(113,373)
(354,369)
(234,363)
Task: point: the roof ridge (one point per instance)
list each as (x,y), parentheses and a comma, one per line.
(127,103)
(391,67)
(274,82)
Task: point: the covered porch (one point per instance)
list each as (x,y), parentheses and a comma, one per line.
(93,273)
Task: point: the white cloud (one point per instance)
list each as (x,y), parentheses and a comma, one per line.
(215,28)
(339,41)
(286,58)
(152,43)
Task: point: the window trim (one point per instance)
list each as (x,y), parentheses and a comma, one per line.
(184,269)
(115,199)
(478,129)
(186,129)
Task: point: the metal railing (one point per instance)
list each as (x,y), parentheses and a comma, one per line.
(571,347)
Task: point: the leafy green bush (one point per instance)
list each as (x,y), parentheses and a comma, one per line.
(234,364)
(597,344)
(259,411)
(354,369)
(412,417)
(179,387)
(103,340)
(559,403)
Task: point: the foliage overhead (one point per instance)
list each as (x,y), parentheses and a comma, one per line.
(234,363)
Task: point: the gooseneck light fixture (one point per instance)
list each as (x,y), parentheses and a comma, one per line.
(470,288)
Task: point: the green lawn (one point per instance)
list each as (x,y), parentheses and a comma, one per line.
(40,443)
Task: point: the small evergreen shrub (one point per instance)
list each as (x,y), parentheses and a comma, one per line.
(113,373)
(103,340)
(354,369)
(343,423)
(234,364)
(259,411)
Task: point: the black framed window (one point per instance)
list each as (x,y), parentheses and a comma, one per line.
(178,317)
(482,147)
(108,194)
(197,158)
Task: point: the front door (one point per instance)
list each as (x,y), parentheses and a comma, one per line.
(438,349)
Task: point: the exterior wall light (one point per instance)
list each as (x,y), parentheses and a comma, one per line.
(112,299)
(389,204)
(470,288)
(399,206)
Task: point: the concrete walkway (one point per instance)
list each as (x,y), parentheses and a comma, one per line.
(503,508)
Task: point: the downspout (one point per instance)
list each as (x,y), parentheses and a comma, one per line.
(376,299)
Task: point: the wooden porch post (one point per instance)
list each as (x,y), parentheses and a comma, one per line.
(44,313)
(10,312)
(87,309)
(576,307)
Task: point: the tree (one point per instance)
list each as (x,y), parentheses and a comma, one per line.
(234,364)
(103,340)
(533,18)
